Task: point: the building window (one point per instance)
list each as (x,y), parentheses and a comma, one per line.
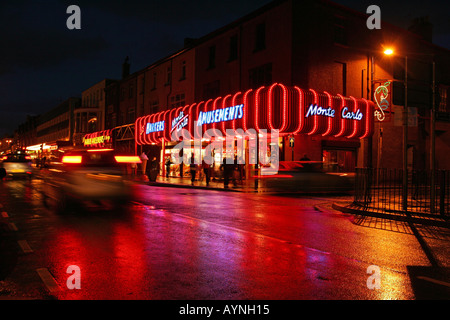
(442,99)
(154,81)
(177,100)
(212,57)
(154,106)
(130,91)
(233,48)
(122,94)
(183,70)
(211,90)
(260,76)
(260,37)
(168,76)
(130,115)
(340,30)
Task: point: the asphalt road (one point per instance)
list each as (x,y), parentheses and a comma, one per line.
(192,244)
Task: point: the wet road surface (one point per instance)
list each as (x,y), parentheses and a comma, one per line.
(175,243)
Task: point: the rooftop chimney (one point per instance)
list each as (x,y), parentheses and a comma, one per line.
(423,28)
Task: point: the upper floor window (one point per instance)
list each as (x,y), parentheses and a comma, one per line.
(340,30)
(260,37)
(183,70)
(260,76)
(169,76)
(212,57)
(233,54)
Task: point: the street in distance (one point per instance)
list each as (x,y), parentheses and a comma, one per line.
(228,309)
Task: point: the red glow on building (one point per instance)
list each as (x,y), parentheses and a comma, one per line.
(290,110)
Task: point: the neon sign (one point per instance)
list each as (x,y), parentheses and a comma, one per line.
(351,115)
(220,115)
(155,127)
(382,91)
(180,122)
(314,109)
(97,139)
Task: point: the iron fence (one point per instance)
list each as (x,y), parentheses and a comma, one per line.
(381,190)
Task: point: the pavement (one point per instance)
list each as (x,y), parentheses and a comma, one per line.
(185,182)
(436,220)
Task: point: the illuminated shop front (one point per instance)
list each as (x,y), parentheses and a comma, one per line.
(99,139)
(291,111)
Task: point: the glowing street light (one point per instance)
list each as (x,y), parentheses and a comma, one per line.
(388,52)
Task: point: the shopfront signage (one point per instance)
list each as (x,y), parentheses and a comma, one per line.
(97,139)
(314,110)
(180,122)
(220,115)
(154,127)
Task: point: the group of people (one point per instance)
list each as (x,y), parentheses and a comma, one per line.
(233,172)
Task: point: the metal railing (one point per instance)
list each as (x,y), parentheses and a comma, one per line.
(381,190)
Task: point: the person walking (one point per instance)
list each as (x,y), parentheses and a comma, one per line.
(227,172)
(144,160)
(154,169)
(168,163)
(207,171)
(192,169)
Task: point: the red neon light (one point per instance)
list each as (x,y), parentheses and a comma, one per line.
(301,110)
(330,120)
(266,108)
(356,123)
(368,122)
(233,102)
(224,105)
(257,108)
(341,132)
(285,107)
(245,117)
(316,118)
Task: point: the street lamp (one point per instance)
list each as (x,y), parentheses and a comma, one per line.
(390,51)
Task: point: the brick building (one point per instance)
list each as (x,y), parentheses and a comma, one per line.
(313,45)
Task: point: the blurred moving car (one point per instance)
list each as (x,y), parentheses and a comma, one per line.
(87,175)
(306,176)
(17,164)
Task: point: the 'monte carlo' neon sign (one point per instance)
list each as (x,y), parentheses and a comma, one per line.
(314,110)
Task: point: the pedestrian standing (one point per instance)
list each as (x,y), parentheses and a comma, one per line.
(207,171)
(144,160)
(192,169)
(227,171)
(168,163)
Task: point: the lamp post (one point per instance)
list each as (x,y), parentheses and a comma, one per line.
(432,133)
(389,52)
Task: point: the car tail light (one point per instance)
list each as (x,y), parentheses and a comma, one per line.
(127,159)
(27,157)
(71,159)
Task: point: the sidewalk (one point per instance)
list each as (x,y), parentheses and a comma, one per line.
(247,186)
(398,215)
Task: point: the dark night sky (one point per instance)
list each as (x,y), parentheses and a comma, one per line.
(43,63)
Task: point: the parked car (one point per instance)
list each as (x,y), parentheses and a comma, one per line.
(305,176)
(87,175)
(17,164)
